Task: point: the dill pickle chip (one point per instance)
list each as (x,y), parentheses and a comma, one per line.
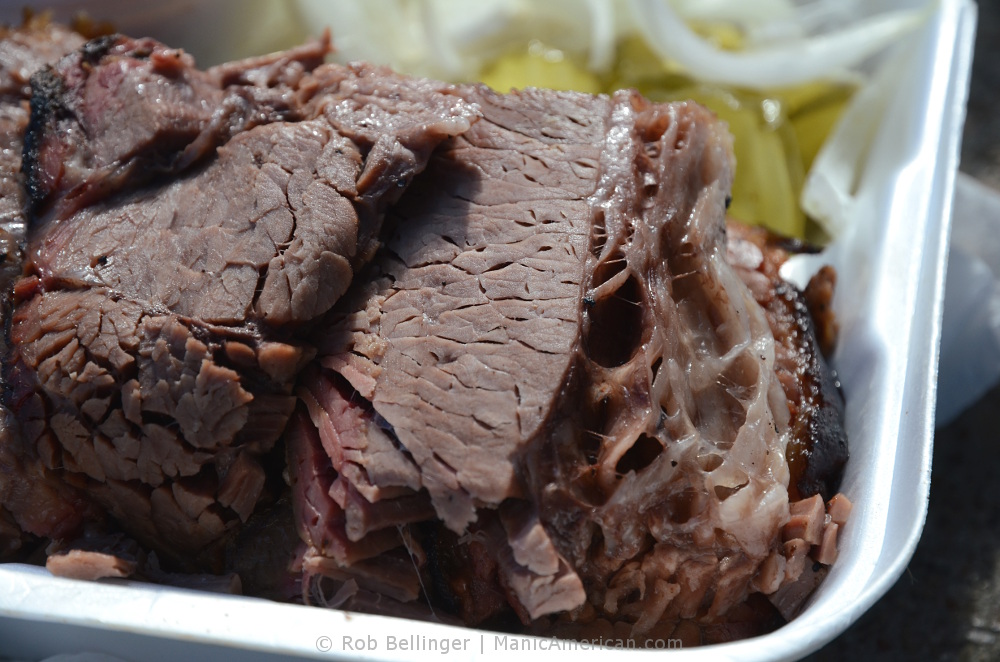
(814,122)
(779,184)
(635,62)
(812,129)
(539,67)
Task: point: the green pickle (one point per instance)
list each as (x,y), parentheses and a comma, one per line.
(539,66)
(813,110)
(776,134)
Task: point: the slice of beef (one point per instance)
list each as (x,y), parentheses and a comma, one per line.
(552,329)
(23,51)
(154,348)
(491,326)
(804,332)
(120,111)
(30,47)
(248,235)
(467,328)
(41,501)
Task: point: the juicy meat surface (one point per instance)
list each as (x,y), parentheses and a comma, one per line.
(120,111)
(552,348)
(274,226)
(153,344)
(465,330)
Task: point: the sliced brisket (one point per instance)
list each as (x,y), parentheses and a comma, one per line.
(511,363)
(23,51)
(553,339)
(120,111)
(153,349)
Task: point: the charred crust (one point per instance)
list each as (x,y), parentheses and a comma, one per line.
(47,92)
(826,449)
(828,454)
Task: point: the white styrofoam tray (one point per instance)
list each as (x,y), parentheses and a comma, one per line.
(889,303)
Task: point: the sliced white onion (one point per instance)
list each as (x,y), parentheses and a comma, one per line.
(453,39)
(822,56)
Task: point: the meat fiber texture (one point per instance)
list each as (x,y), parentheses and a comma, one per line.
(495,344)
(184,225)
(553,359)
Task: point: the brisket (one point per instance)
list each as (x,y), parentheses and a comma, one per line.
(552,344)
(387,344)
(120,111)
(153,349)
(23,51)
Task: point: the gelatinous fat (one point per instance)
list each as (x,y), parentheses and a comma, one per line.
(553,328)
